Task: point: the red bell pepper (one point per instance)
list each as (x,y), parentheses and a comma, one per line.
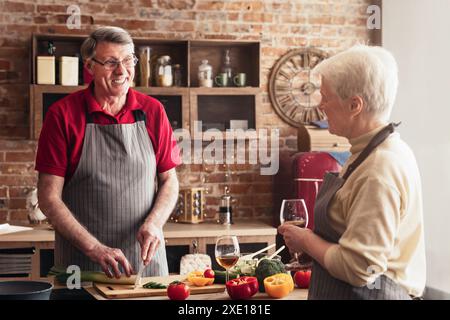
(242,288)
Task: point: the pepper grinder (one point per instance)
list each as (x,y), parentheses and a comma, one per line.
(225,209)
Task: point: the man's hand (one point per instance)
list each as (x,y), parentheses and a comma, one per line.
(148,237)
(109,259)
(294,237)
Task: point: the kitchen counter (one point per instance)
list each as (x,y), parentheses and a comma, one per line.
(177,235)
(297,294)
(209,229)
(171,230)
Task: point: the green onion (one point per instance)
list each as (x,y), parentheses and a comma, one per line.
(91,276)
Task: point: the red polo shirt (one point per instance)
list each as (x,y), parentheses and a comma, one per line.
(62,135)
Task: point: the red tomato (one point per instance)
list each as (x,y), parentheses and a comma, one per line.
(208,273)
(302,278)
(178,291)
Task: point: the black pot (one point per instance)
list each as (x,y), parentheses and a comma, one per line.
(25,290)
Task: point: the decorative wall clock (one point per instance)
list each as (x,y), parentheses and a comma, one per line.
(294,89)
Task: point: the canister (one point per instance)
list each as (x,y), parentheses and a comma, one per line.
(68,71)
(46,70)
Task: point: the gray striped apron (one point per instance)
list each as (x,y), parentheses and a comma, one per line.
(323,285)
(112,192)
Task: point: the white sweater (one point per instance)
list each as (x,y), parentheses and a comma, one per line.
(378,211)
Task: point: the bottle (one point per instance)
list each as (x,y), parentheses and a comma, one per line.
(164,76)
(225,210)
(144,67)
(176,75)
(226,66)
(205,74)
(51,49)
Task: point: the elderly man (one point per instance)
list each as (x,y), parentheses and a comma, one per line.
(106,160)
(368,241)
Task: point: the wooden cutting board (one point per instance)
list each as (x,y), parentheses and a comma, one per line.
(117,291)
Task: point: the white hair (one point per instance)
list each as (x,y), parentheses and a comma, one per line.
(368,72)
(104,34)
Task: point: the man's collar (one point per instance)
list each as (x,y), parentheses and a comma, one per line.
(93,105)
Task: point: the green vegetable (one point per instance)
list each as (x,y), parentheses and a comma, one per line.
(154,285)
(220,276)
(267,268)
(245,267)
(90,276)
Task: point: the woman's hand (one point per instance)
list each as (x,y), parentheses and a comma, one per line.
(294,237)
(148,237)
(109,259)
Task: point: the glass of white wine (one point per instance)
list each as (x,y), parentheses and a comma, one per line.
(227,252)
(294,212)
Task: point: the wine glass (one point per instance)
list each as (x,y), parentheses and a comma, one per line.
(227,252)
(294,212)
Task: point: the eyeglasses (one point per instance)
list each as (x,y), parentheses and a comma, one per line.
(127,62)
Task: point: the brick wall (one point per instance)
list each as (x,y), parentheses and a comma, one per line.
(280,25)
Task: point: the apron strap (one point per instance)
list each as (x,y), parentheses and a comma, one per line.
(375,142)
(139,115)
(89,117)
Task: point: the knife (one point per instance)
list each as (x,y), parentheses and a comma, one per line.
(139,275)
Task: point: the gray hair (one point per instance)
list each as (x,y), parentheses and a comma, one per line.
(104,34)
(368,72)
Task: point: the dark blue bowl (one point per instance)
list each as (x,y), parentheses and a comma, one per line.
(25,290)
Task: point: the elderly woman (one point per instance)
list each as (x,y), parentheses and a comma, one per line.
(106,162)
(368,241)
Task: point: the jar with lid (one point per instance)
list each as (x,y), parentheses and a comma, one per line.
(176,71)
(163,72)
(225,210)
(226,66)
(205,75)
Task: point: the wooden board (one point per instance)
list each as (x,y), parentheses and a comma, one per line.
(115,291)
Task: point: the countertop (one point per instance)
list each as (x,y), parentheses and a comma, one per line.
(44,233)
(297,294)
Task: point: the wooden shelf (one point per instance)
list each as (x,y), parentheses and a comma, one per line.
(225,91)
(238,103)
(41,96)
(244,57)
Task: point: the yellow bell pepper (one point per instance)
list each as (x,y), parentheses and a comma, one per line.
(279,285)
(197,279)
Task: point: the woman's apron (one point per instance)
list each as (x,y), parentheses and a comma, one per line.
(324,286)
(112,192)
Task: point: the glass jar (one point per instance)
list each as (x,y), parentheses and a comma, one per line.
(205,74)
(225,210)
(163,72)
(226,66)
(144,66)
(176,70)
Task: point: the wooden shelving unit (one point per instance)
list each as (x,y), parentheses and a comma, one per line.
(184,104)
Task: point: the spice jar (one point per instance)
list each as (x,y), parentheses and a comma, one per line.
(163,72)
(205,74)
(225,210)
(176,75)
